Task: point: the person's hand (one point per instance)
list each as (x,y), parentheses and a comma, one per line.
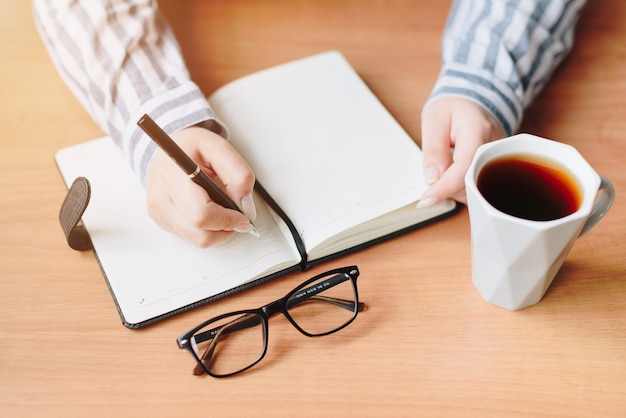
(180,206)
(452,130)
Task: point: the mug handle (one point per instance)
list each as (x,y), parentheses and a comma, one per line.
(602,204)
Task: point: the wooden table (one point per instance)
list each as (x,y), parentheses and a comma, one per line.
(427,346)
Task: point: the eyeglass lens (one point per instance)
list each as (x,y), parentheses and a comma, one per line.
(235,342)
(323,306)
(230,344)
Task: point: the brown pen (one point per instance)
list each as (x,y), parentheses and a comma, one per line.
(171,148)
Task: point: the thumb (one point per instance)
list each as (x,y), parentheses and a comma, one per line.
(436,142)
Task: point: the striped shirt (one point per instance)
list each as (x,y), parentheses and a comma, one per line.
(121,60)
(500,54)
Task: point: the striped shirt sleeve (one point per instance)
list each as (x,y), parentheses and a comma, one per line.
(500,54)
(121,60)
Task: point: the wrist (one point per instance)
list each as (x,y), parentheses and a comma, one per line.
(483,88)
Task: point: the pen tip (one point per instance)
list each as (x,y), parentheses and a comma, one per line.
(254,231)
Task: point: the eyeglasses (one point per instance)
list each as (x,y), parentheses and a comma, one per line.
(234,342)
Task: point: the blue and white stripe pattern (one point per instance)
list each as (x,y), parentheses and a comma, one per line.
(121,60)
(500,53)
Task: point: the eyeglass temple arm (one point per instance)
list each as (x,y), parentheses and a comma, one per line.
(342,303)
(311,293)
(237,324)
(250,320)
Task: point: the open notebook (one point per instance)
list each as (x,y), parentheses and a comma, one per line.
(325,150)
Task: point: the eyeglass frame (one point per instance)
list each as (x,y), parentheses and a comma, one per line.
(265,312)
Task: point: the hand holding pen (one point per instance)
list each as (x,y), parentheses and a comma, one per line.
(204,216)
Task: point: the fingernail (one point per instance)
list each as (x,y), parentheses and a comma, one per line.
(248,207)
(426,203)
(243,228)
(431,175)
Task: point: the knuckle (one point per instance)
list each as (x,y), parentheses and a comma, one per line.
(197,216)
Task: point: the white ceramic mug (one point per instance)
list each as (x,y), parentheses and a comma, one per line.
(515,259)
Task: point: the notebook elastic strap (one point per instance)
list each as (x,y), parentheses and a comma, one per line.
(304,262)
(71,212)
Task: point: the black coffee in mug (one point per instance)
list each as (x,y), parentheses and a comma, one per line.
(529,187)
